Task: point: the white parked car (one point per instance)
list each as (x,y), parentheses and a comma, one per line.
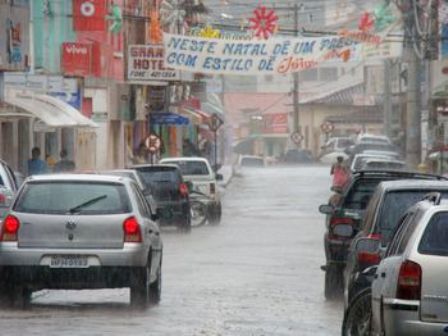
(373,138)
(410,289)
(199,172)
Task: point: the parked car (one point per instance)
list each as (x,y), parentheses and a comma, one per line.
(336,144)
(9,184)
(409,292)
(389,154)
(343,221)
(384,164)
(389,202)
(251,161)
(78,232)
(166,190)
(199,173)
(373,138)
(298,156)
(369,146)
(359,159)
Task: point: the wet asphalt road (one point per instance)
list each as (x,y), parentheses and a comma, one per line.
(255,274)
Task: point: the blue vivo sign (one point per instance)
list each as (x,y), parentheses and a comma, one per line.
(168,118)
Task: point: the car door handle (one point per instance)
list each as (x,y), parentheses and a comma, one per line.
(383,275)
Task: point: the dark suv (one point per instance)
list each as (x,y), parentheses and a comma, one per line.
(389,203)
(165,185)
(344,219)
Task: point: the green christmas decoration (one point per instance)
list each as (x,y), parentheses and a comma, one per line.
(116,18)
(383,16)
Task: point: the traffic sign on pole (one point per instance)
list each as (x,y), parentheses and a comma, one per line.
(297,138)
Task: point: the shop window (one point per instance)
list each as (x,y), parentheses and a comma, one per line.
(328,74)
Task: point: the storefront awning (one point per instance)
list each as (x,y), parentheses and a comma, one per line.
(52,111)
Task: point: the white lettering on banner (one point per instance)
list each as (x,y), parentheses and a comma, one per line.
(76,50)
(146,63)
(278,55)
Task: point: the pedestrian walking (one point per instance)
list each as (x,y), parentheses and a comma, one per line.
(64,164)
(141,157)
(341,174)
(36,165)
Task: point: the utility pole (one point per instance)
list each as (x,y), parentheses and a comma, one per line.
(296,77)
(387,107)
(413,113)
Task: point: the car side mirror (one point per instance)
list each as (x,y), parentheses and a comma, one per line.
(326,209)
(219,177)
(368,245)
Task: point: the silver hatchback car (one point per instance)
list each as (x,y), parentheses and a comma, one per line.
(410,290)
(79,232)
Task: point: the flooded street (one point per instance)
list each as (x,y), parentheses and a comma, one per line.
(258,273)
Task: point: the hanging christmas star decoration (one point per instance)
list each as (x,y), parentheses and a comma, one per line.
(209,32)
(366,22)
(383,16)
(263,22)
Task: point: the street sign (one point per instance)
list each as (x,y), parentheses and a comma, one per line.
(327,127)
(215,122)
(153,143)
(297,138)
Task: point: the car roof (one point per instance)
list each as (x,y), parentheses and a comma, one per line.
(412,184)
(386,172)
(78,177)
(379,159)
(148,165)
(184,159)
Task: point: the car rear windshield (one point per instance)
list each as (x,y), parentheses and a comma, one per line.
(394,205)
(154,175)
(384,165)
(192,167)
(360,193)
(83,198)
(435,239)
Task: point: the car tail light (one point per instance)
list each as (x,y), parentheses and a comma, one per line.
(183,190)
(339,221)
(369,258)
(409,281)
(212,188)
(10,228)
(132,232)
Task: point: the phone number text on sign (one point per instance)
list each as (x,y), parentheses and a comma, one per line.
(146,63)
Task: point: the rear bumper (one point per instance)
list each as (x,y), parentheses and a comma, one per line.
(44,277)
(336,250)
(177,212)
(130,255)
(403,318)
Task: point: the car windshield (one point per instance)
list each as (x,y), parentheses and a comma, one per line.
(89,198)
(191,167)
(435,238)
(386,165)
(394,205)
(360,193)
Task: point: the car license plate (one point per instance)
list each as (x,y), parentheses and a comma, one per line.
(69,261)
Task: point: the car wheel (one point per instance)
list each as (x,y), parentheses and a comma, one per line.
(155,289)
(16,297)
(140,278)
(198,213)
(333,282)
(215,215)
(358,317)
